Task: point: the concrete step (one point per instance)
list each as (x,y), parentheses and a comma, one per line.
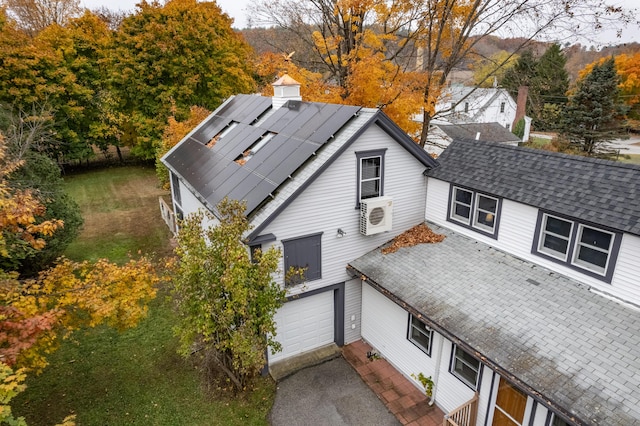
(281,369)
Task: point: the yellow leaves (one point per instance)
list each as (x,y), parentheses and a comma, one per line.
(11,384)
(69,296)
(19,209)
(628,69)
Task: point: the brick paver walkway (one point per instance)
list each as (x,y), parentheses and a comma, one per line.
(402,398)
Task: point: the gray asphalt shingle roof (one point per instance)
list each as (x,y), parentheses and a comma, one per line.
(488,132)
(597,191)
(552,335)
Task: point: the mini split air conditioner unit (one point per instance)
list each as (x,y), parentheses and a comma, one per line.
(375,215)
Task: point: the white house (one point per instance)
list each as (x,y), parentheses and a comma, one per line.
(325,183)
(530,307)
(532,301)
(463,104)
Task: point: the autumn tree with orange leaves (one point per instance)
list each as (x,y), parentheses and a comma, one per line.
(36,313)
(628,70)
(381,53)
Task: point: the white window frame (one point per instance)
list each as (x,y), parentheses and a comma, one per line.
(571,259)
(453,371)
(477,210)
(454,202)
(578,244)
(544,232)
(474,210)
(378,178)
(425,330)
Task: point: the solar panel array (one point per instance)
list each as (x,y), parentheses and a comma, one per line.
(300,129)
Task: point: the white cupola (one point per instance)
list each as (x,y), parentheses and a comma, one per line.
(285,89)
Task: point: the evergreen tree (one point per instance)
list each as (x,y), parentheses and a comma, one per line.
(520,74)
(550,83)
(595,112)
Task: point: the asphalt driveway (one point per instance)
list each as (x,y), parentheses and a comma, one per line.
(331,394)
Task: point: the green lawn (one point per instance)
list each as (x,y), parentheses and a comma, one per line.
(120,209)
(135,377)
(630,158)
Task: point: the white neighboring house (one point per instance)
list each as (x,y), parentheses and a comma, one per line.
(529,310)
(476,105)
(325,183)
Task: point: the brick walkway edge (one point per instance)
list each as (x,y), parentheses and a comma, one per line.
(402,398)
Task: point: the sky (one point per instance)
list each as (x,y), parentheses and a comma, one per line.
(237,10)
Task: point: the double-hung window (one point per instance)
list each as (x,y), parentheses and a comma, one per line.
(555,236)
(580,246)
(593,248)
(474,210)
(370,174)
(465,367)
(420,334)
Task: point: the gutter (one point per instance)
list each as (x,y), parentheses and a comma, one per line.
(539,397)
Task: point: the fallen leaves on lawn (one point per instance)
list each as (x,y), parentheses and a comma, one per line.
(417,235)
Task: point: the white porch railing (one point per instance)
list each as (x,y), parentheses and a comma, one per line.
(465,415)
(167,215)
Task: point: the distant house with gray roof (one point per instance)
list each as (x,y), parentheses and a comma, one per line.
(441,134)
(529,310)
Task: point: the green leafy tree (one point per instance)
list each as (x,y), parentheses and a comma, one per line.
(595,112)
(172,57)
(62,68)
(41,175)
(226,301)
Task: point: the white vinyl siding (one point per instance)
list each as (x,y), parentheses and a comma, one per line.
(384,326)
(328,204)
(352,310)
(517,235)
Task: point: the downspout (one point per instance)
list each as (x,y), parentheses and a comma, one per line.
(437,372)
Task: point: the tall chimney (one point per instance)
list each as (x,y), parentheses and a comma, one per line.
(521,104)
(285,89)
